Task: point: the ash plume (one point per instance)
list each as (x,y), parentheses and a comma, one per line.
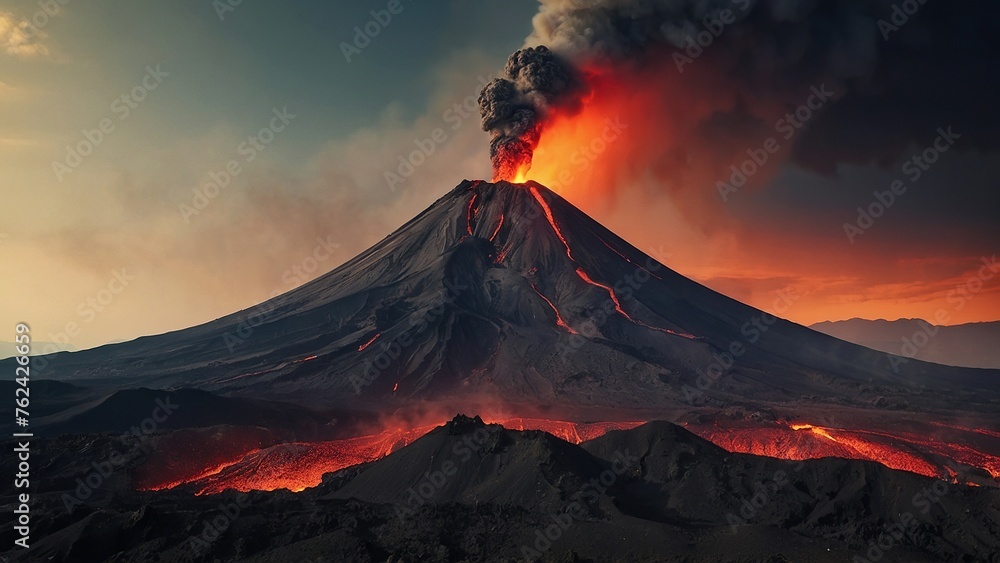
(514,106)
(752,61)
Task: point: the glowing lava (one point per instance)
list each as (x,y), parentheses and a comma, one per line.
(582,274)
(559,320)
(497,230)
(572,432)
(814,429)
(551,219)
(369,343)
(470,212)
(897,450)
(522,173)
(297,466)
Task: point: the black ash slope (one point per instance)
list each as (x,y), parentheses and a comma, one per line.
(480,295)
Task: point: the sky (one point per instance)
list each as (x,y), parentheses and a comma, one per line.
(165,164)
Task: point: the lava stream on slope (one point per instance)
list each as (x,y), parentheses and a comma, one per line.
(583,275)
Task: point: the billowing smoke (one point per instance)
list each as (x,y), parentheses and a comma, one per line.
(513,107)
(738,66)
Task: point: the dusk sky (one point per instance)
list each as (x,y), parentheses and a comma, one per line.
(116,118)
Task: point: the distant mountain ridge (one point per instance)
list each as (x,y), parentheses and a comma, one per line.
(38,347)
(972,345)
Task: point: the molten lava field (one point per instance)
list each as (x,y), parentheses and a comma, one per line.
(952,453)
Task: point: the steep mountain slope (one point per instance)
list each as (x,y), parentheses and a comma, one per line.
(507,292)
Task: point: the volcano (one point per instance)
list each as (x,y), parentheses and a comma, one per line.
(504,300)
(507,293)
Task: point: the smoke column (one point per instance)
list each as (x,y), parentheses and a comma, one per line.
(701,81)
(513,107)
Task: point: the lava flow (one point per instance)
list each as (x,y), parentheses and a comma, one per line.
(586,277)
(298,466)
(369,342)
(572,432)
(559,320)
(897,450)
(301,465)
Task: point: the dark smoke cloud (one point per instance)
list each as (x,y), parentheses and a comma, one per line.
(514,106)
(895,84)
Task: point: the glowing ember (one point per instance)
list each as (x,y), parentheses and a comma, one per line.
(470,212)
(208,472)
(559,320)
(815,430)
(551,219)
(497,231)
(983,431)
(369,343)
(614,298)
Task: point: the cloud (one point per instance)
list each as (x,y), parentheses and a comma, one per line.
(257,237)
(18,37)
